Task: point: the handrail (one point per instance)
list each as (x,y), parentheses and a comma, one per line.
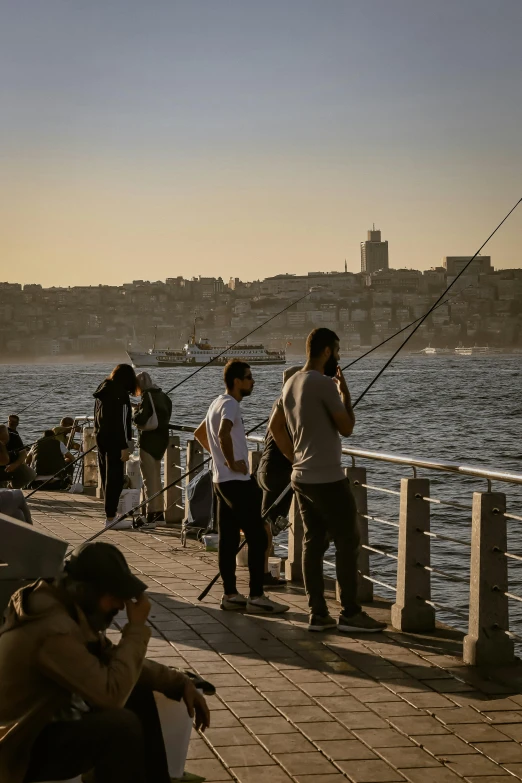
(399,459)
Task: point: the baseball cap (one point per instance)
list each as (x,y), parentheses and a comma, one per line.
(103,565)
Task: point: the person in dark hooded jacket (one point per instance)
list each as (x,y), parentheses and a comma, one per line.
(113,432)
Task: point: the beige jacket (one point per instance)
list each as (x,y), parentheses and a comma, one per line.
(44,659)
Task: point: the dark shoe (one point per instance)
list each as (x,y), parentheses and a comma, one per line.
(273,581)
(319,622)
(360,622)
(188,777)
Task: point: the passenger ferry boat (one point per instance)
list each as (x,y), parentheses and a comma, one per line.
(199,352)
(463,351)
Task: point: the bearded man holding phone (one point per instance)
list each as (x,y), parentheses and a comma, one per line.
(316,410)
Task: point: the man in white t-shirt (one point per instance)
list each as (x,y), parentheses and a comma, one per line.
(238,495)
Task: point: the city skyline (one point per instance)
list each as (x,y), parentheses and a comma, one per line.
(184,138)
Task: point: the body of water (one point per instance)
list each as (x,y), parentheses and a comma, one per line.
(462,409)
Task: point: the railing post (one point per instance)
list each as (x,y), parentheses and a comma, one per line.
(194,465)
(172,469)
(90,462)
(357,477)
(487,641)
(410,612)
(254,458)
(294,564)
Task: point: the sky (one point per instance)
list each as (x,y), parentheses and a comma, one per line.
(145,140)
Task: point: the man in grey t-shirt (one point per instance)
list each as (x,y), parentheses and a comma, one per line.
(316,410)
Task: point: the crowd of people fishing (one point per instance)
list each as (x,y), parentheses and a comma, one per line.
(302,449)
(70,699)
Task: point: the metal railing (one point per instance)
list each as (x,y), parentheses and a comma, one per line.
(409,554)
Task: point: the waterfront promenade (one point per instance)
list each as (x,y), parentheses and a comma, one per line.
(296,706)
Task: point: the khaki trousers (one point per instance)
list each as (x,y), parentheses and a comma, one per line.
(151,475)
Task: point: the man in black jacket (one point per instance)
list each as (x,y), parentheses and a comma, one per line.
(113,432)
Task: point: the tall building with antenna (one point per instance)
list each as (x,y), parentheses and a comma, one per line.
(374,252)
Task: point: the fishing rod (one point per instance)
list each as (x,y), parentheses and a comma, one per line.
(361,396)
(229,348)
(404,328)
(188,429)
(387,364)
(358,358)
(432,308)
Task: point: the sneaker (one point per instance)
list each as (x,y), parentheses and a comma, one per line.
(361,622)
(273,581)
(233,603)
(123,524)
(321,622)
(264,605)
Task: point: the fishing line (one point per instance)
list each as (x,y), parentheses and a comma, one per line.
(432,308)
(381,371)
(225,350)
(387,364)
(183,428)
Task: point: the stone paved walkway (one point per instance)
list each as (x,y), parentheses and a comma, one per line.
(295,706)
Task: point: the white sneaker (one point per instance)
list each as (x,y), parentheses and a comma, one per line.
(123,524)
(233,603)
(264,605)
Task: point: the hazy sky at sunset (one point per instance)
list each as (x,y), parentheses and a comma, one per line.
(252,137)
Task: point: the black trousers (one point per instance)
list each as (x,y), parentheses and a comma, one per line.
(329,514)
(273,483)
(112,471)
(120,745)
(239,508)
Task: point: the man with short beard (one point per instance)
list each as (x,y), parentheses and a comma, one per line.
(71,702)
(238,496)
(316,410)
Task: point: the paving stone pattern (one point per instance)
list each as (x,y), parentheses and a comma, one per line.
(295,706)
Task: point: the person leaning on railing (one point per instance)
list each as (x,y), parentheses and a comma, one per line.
(152,420)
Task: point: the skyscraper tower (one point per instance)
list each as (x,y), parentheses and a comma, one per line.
(374,252)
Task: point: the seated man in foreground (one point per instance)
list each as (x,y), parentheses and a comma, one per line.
(70,701)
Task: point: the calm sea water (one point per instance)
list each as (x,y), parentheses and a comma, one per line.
(462,409)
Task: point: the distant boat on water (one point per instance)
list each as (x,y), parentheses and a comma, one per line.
(198,352)
(471,350)
(430,351)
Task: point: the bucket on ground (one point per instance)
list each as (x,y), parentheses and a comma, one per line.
(132,469)
(128,499)
(211,542)
(242,555)
(176,726)
(274,566)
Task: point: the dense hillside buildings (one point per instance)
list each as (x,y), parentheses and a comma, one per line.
(484,307)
